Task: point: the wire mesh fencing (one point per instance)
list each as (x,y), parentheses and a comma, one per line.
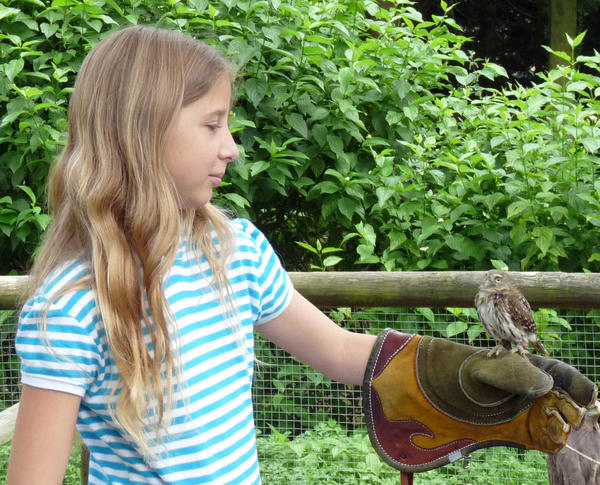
(311,430)
(9,376)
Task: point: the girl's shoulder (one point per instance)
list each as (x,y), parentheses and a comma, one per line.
(241,226)
(245,231)
(62,283)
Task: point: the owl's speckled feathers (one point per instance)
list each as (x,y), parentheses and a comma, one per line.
(506,314)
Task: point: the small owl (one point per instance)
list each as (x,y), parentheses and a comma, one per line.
(506,314)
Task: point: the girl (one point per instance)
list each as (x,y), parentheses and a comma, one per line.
(139,328)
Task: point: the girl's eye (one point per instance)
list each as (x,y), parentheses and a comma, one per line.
(213,128)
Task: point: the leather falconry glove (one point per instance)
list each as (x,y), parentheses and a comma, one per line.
(429,401)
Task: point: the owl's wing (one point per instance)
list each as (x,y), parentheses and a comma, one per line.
(520,312)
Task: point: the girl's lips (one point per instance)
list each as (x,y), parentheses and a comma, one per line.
(216,178)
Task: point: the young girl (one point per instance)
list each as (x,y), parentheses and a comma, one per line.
(139,328)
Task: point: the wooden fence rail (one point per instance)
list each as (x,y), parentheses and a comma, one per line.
(436,289)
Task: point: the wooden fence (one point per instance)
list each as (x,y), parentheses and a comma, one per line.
(393,289)
(436,289)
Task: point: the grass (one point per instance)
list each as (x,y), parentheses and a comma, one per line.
(326,455)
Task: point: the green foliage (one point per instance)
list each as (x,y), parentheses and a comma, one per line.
(323,455)
(41,47)
(351,119)
(328,455)
(324,256)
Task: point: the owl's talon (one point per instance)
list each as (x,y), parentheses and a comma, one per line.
(495,352)
(519,350)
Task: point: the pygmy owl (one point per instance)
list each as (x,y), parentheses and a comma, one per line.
(506,315)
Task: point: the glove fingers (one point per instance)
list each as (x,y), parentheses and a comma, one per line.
(510,372)
(569,409)
(548,426)
(551,420)
(583,391)
(556,429)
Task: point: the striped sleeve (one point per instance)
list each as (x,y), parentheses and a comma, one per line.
(63,356)
(274,289)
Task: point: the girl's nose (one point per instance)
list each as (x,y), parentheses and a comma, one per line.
(230,151)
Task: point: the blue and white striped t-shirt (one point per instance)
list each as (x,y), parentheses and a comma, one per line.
(211,437)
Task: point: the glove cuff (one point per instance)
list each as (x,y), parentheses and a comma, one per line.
(392,439)
(396,437)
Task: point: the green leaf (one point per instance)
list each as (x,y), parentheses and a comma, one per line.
(499,264)
(42,220)
(543,238)
(429,226)
(48,29)
(367,232)
(499,70)
(319,114)
(306,246)
(578,86)
(383,194)
(475,331)
(336,144)
(346,76)
(519,235)
(427,313)
(13,67)
(366,254)
(11,116)
(7,11)
(349,207)
(296,121)
(592,144)
(256,89)
(575,42)
(331,261)
(28,191)
(455,328)
(237,199)
(326,187)
(116,6)
(517,208)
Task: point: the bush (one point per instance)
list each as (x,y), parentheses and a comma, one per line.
(363,130)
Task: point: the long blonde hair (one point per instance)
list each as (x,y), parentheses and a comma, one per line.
(116,208)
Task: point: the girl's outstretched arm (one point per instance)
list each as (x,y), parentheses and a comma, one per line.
(43,437)
(308,334)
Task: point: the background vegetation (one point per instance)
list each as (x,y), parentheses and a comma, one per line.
(330,457)
(371,138)
(366,132)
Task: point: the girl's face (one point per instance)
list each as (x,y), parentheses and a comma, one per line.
(199,145)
